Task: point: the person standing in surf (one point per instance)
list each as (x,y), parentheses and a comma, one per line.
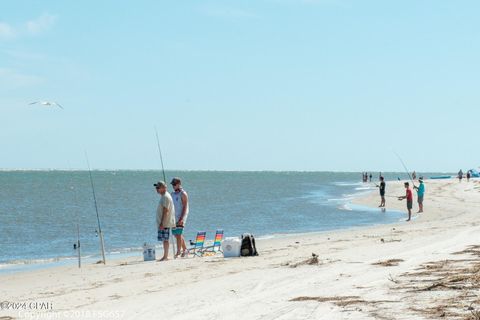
(180,202)
(460,175)
(382,192)
(165,216)
(420,193)
(409,197)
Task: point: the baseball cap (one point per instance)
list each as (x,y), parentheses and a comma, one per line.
(160,184)
(175,181)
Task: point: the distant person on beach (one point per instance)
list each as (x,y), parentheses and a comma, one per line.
(180,201)
(460,175)
(414,175)
(409,197)
(382,192)
(165,216)
(370,177)
(468,176)
(420,193)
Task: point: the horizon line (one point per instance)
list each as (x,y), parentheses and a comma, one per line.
(209,170)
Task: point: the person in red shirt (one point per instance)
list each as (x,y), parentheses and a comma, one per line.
(409,197)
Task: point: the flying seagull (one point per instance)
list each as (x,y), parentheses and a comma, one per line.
(47,104)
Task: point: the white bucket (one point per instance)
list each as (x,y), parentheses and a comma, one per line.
(231,247)
(148,252)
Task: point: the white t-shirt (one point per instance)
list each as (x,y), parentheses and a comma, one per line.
(178,205)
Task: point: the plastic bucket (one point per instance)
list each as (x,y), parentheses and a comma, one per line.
(148,252)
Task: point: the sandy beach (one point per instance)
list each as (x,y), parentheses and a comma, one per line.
(424,269)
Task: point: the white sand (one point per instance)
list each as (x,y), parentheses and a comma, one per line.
(263,287)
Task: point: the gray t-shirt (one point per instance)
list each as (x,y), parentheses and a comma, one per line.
(169,219)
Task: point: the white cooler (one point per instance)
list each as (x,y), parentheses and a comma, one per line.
(231,247)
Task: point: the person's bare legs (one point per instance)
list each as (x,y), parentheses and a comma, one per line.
(165,251)
(184,245)
(420,207)
(179,244)
(409,214)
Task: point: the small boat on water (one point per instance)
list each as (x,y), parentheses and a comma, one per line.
(441,177)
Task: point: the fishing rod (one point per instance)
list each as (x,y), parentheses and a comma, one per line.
(160,154)
(164,177)
(100,234)
(76,245)
(405,167)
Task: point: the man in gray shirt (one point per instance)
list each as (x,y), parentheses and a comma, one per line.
(165,216)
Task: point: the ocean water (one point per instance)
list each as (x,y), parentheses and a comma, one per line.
(39,210)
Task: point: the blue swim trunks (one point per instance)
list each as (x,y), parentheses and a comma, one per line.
(177,231)
(164,235)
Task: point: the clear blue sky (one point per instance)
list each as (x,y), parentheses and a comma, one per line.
(241,85)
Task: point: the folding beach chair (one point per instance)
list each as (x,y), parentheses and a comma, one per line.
(217,243)
(197,248)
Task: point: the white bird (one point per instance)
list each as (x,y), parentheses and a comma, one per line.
(47,104)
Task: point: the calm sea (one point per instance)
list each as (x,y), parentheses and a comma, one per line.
(39,210)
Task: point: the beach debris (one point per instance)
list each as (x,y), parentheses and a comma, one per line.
(388,263)
(393,240)
(310,261)
(473,250)
(475,314)
(447,288)
(338,300)
(390,278)
(342,301)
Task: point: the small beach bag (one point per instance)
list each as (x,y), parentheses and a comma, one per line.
(248,247)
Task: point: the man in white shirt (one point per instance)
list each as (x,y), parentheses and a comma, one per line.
(180,200)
